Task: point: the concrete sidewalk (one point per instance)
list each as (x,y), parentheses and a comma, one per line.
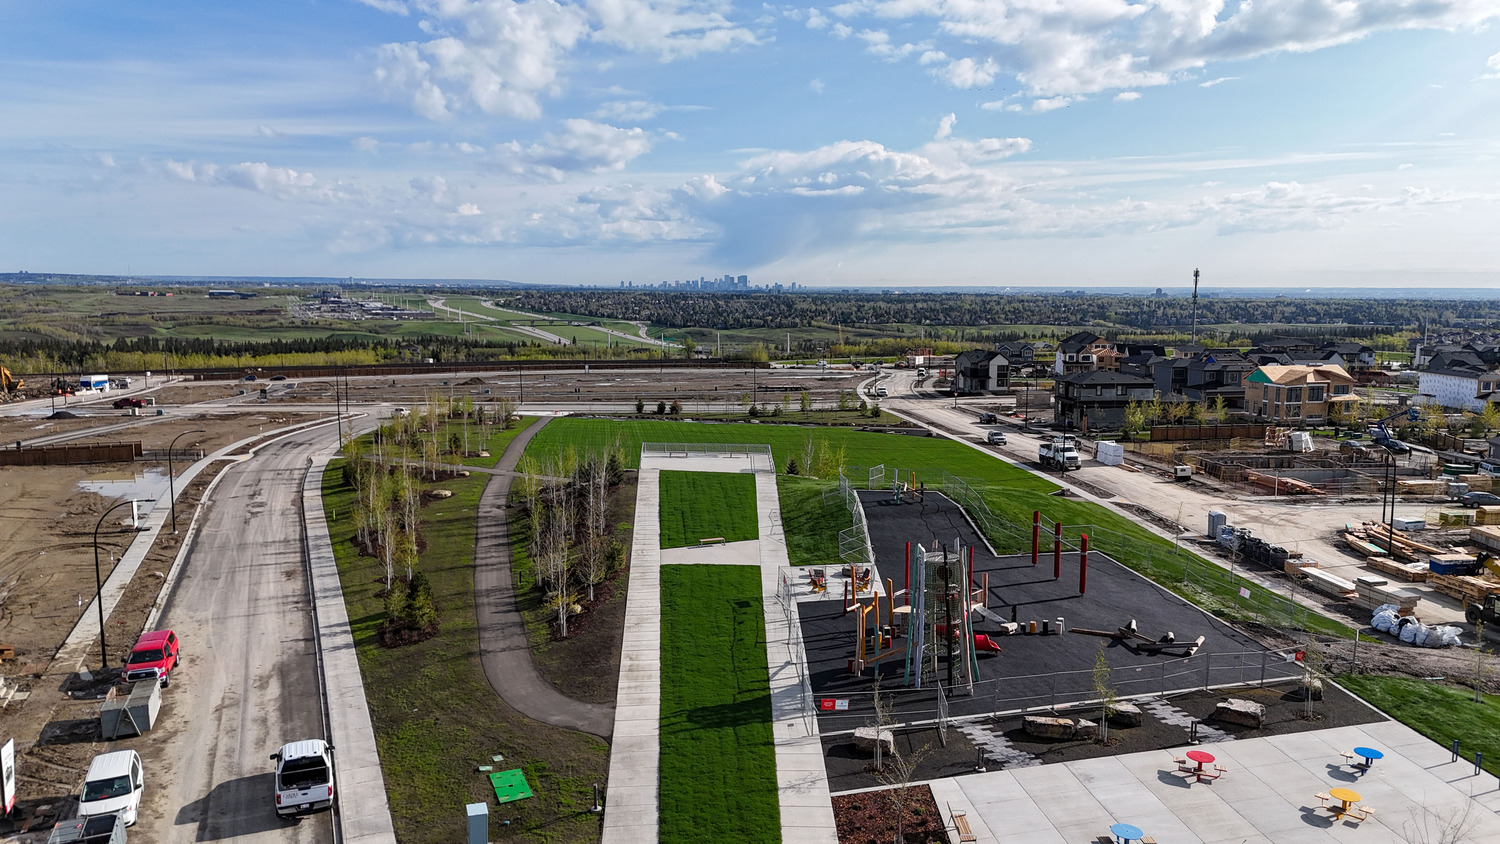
(631,812)
(1267,795)
(364,813)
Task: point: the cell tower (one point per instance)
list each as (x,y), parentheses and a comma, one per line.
(1195,307)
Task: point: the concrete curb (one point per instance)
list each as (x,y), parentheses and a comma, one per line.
(364,813)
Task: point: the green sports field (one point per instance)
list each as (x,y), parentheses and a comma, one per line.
(704,505)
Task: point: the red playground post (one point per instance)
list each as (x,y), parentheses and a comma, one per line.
(1036,535)
(1083,566)
(1057,550)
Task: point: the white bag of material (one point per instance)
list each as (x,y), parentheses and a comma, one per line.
(1409,633)
(1445,636)
(1420,637)
(1384,621)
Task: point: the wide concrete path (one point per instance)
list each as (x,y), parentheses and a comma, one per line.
(1267,796)
(364,813)
(504,647)
(632,812)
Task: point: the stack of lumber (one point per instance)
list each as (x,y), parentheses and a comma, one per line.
(1463,587)
(1486,537)
(1361,545)
(1370,592)
(1321,581)
(1487,516)
(1286,486)
(1478,483)
(1448,518)
(1421,486)
(1297,565)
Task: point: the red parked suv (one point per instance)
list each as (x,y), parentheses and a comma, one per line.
(155,655)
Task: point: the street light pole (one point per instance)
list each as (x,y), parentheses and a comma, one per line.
(99,582)
(172,477)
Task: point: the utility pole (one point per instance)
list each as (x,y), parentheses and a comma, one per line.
(1195,307)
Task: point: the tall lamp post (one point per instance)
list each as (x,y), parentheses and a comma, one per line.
(172,477)
(99,582)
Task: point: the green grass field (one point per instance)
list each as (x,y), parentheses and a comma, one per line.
(812,529)
(718,762)
(436,717)
(1440,712)
(703,505)
(1011,494)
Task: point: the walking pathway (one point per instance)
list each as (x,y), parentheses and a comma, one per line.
(364,812)
(504,648)
(632,812)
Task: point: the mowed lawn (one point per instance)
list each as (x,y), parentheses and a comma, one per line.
(718,763)
(707,505)
(435,715)
(1010,493)
(1440,712)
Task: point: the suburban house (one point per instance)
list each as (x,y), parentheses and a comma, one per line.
(1168,374)
(1297,393)
(1218,373)
(1095,400)
(1458,388)
(1079,353)
(980,371)
(1020,354)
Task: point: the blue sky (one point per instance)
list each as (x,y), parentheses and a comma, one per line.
(875,142)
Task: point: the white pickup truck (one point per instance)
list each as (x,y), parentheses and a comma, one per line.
(304,776)
(1059,453)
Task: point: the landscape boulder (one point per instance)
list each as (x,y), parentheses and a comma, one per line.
(1041,725)
(1246,713)
(1125,715)
(1307,684)
(1086,729)
(866,737)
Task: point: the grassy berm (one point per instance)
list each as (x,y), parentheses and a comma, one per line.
(436,718)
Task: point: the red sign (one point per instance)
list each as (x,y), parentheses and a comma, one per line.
(829,704)
(1300,655)
(826,704)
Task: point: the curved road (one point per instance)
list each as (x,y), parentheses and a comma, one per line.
(503,645)
(249,679)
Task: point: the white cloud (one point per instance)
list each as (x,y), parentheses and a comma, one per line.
(816,85)
(468,209)
(432,189)
(394,7)
(1219,81)
(1088,46)
(277,182)
(365,144)
(628,111)
(582,146)
(1127,96)
(945,126)
(1405,166)
(1053,103)
(1494,65)
(267,132)
(968,73)
(503,56)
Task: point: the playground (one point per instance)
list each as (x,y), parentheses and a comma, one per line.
(1026,629)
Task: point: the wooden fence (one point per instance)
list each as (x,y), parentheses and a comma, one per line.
(1160,433)
(63,455)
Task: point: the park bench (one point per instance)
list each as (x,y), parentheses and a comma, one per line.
(961,824)
(712,540)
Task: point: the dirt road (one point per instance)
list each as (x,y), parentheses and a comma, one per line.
(249,680)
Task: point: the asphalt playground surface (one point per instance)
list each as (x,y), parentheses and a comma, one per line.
(1033,670)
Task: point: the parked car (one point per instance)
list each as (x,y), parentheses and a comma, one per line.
(99,829)
(249,378)
(995,438)
(881,392)
(113,785)
(988,419)
(278,377)
(155,656)
(304,776)
(1479,499)
(129,402)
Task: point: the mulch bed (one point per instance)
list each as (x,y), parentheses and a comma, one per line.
(870,818)
(1285,713)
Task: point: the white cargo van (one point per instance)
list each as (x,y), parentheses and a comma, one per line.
(113,785)
(304,776)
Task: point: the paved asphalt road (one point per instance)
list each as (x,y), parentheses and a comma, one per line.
(249,680)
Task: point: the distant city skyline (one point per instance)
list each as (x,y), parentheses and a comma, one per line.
(870,143)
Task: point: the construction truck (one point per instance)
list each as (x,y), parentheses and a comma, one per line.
(1060,453)
(9,384)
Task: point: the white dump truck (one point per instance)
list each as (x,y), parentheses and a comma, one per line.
(1059,453)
